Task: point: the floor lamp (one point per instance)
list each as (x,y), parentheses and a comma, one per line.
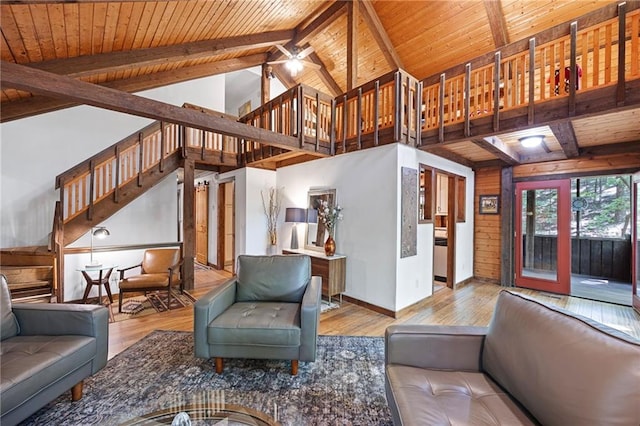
(295,215)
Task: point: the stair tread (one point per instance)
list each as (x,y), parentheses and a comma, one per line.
(29,284)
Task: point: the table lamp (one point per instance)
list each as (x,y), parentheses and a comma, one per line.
(295,215)
(99,232)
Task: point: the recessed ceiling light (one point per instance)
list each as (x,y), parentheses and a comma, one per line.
(531,141)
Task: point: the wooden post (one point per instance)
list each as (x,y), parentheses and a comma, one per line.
(317,121)
(376,112)
(441,110)
(418,141)
(162,146)
(92,176)
(188,224)
(573,74)
(467,100)
(406,109)
(532,82)
(622,21)
(496,93)
(140,157)
(301,120)
(202,136)
(397,126)
(332,131)
(359,118)
(265,85)
(507,227)
(116,189)
(345,117)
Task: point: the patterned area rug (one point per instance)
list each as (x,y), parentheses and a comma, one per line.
(154,302)
(344,386)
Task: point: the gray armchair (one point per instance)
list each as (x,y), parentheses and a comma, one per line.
(271,310)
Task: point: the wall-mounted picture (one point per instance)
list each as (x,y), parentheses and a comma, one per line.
(489,204)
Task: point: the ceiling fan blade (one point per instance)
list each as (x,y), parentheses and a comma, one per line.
(283,61)
(284,51)
(305,52)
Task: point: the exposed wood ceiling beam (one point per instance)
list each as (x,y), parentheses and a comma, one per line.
(563,131)
(496,22)
(80,66)
(27,107)
(352,45)
(304,33)
(449,155)
(36,81)
(542,158)
(380,34)
(614,148)
(325,75)
(495,146)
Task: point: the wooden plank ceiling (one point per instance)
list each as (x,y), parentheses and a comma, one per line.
(138,45)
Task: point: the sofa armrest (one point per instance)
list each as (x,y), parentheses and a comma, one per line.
(206,309)
(58,319)
(310,317)
(436,347)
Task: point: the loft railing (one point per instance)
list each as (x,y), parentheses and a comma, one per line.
(108,172)
(603,54)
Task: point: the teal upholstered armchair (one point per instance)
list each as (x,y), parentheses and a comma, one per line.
(270,311)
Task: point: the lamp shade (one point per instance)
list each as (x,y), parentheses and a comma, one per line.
(312,216)
(101,232)
(295,214)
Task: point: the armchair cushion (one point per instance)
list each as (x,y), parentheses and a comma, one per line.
(272,278)
(265,323)
(145,281)
(8,323)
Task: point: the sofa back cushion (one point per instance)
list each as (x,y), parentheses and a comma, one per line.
(9,323)
(272,278)
(565,369)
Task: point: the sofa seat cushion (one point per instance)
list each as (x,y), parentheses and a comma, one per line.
(257,323)
(160,280)
(30,363)
(436,397)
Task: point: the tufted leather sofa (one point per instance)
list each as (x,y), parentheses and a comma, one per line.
(270,311)
(534,364)
(46,350)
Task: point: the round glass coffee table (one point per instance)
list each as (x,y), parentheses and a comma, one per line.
(204,414)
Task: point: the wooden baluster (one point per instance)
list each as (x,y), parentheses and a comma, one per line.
(397,125)
(162,147)
(116,189)
(596,57)
(635,39)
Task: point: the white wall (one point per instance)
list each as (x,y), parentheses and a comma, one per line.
(367,186)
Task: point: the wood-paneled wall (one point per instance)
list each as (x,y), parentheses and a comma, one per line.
(487,227)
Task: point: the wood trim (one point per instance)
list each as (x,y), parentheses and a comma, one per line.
(372,307)
(127,247)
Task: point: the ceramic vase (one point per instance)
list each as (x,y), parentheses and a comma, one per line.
(330,246)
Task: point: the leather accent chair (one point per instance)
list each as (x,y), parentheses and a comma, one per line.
(47,349)
(271,310)
(160,269)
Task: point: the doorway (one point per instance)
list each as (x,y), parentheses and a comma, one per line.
(542,235)
(601,246)
(202,222)
(226,226)
(636,242)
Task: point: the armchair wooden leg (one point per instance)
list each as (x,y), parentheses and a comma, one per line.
(294,367)
(120,302)
(219,365)
(76,392)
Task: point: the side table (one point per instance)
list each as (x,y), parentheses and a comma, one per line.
(104,273)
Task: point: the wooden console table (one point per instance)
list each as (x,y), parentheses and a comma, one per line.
(332,269)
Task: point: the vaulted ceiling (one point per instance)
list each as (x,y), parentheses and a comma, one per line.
(138,45)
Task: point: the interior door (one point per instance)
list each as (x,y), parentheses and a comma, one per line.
(543,241)
(226,226)
(635,251)
(202,223)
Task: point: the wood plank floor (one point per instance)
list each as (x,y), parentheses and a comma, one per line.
(472,304)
